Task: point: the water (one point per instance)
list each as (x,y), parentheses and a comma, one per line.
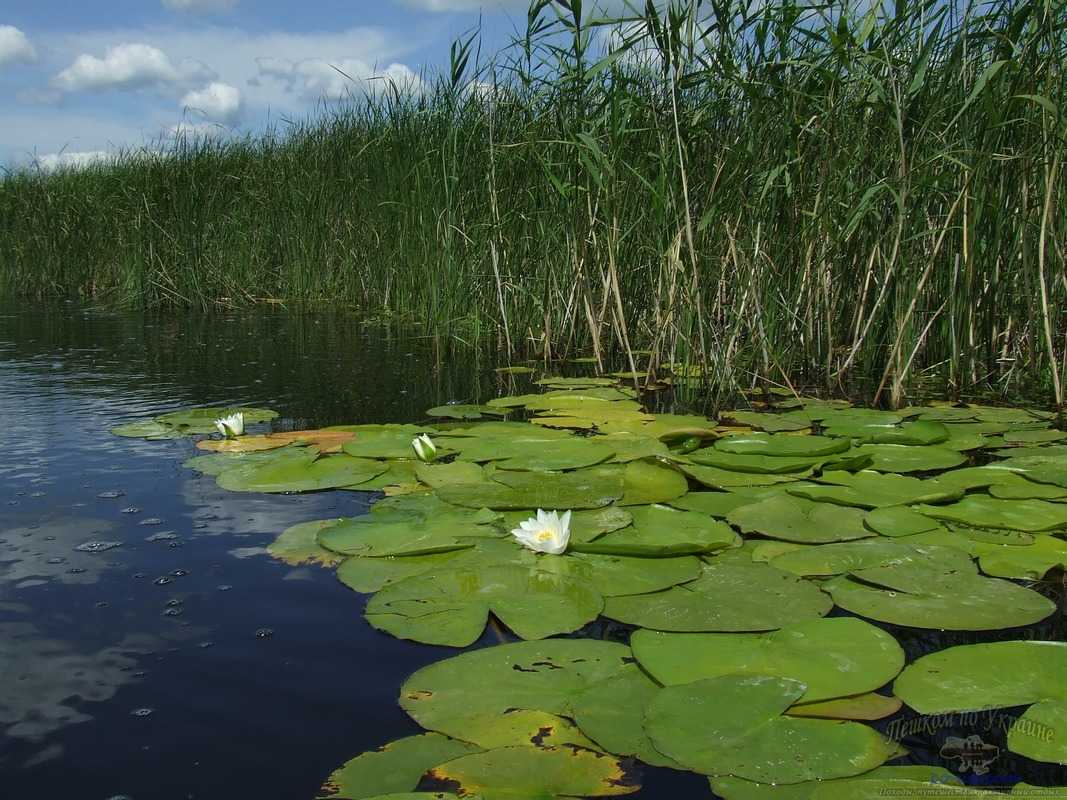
(148,646)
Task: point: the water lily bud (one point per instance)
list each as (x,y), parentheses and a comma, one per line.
(425,449)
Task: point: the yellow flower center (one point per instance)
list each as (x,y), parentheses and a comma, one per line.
(546,535)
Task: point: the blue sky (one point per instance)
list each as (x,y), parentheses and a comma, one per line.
(79,79)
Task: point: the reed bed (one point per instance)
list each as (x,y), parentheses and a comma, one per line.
(767,192)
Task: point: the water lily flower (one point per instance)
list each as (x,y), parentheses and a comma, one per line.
(424,448)
(232,426)
(548,532)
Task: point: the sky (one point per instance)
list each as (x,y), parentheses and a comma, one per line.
(81,79)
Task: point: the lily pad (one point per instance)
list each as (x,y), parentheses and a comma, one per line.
(897,521)
(202,420)
(543,675)
(772,423)
(648,482)
(455,472)
(1028,562)
(521,727)
(531,773)
(585,525)
(926,595)
(299,545)
(400,534)
(869,706)
(867,489)
(396,767)
(738,789)
(751,462)
(464,411)
(587,488)
(988,512)
(660,531)
(387,444)
(612,714)
(833,657)
(795,519)
(906,458)
(325,439)
(998,675)
(366,574)
(301,473)
(452,608)
(558,455)
(735,725)
(781,446)
(715,478)
(837,559)
(147,429)
(727,597)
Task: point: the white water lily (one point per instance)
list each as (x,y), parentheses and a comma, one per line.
(424,448)
(231,426)
(548,532)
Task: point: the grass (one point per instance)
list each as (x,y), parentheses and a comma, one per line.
(773,192)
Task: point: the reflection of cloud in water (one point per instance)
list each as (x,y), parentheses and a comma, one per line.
(34,554)
(45,680)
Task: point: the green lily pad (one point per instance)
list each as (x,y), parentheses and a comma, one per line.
(988,512)
(543,675)
(998,675)
(400,534)
(906,458)
(735,725)
(722,479)
(660,531)
(147,429)
(833,657)
(874,789)
(837,559)
(1014,487)
(633,446)
(532,773)
(1029,562)
(587,488)
(455,472)
(612,714)
(396,767)
(920,432)
(615,575)
(924,594)
(299,544)
(898,521)
(464,411)
(751,462)
(648,482)
(714,504)
(780,446)
(202,420)
(795,519)
(218,463)
(867,489)
(869,706)
(772,423)
(398,472)
(386,444)
(556,455)
(528,443)
(367,574)
(738,789)
(452,608)
(521,727)
(727,597)
(301,473)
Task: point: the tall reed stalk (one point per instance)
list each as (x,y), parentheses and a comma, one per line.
(767,191)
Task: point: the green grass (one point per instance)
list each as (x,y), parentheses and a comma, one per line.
(774,192)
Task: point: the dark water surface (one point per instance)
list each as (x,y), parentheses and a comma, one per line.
(185,662)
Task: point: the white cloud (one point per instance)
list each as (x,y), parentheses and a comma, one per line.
(316,78)
(129,66)
(50,162)
(218,102)
(14,46)
(200,5)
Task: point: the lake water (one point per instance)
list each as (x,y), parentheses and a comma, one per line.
(184,662)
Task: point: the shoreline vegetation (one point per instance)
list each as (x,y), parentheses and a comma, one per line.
(768,193)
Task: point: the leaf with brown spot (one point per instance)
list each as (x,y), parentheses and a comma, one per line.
(328,441)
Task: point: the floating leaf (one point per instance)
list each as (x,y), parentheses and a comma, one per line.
(832,657)
(1029,562)
(868,489)
(147,429)
(396,767)
(728,597)
(325,439)
(558,455)
(898,521)
(660,531)
(367,574)
(905,458)
(452,608)
(795,519)
(531,773)
(869,706)
(749,462)
(734,725)
(545,675)
(455,472)
(648,482)
(612,714)
(989,512)
(299,545)
(925,595)
(633,446)
(772,423)
(837,559)
(738,789)
(202,420)
(781,446)
(400,534)
(998,675)
(521,727)
(715,478)
(463,411)
(388,443)
(301,473)
(587,488)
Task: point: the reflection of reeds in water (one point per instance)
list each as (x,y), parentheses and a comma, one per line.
(752,187)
